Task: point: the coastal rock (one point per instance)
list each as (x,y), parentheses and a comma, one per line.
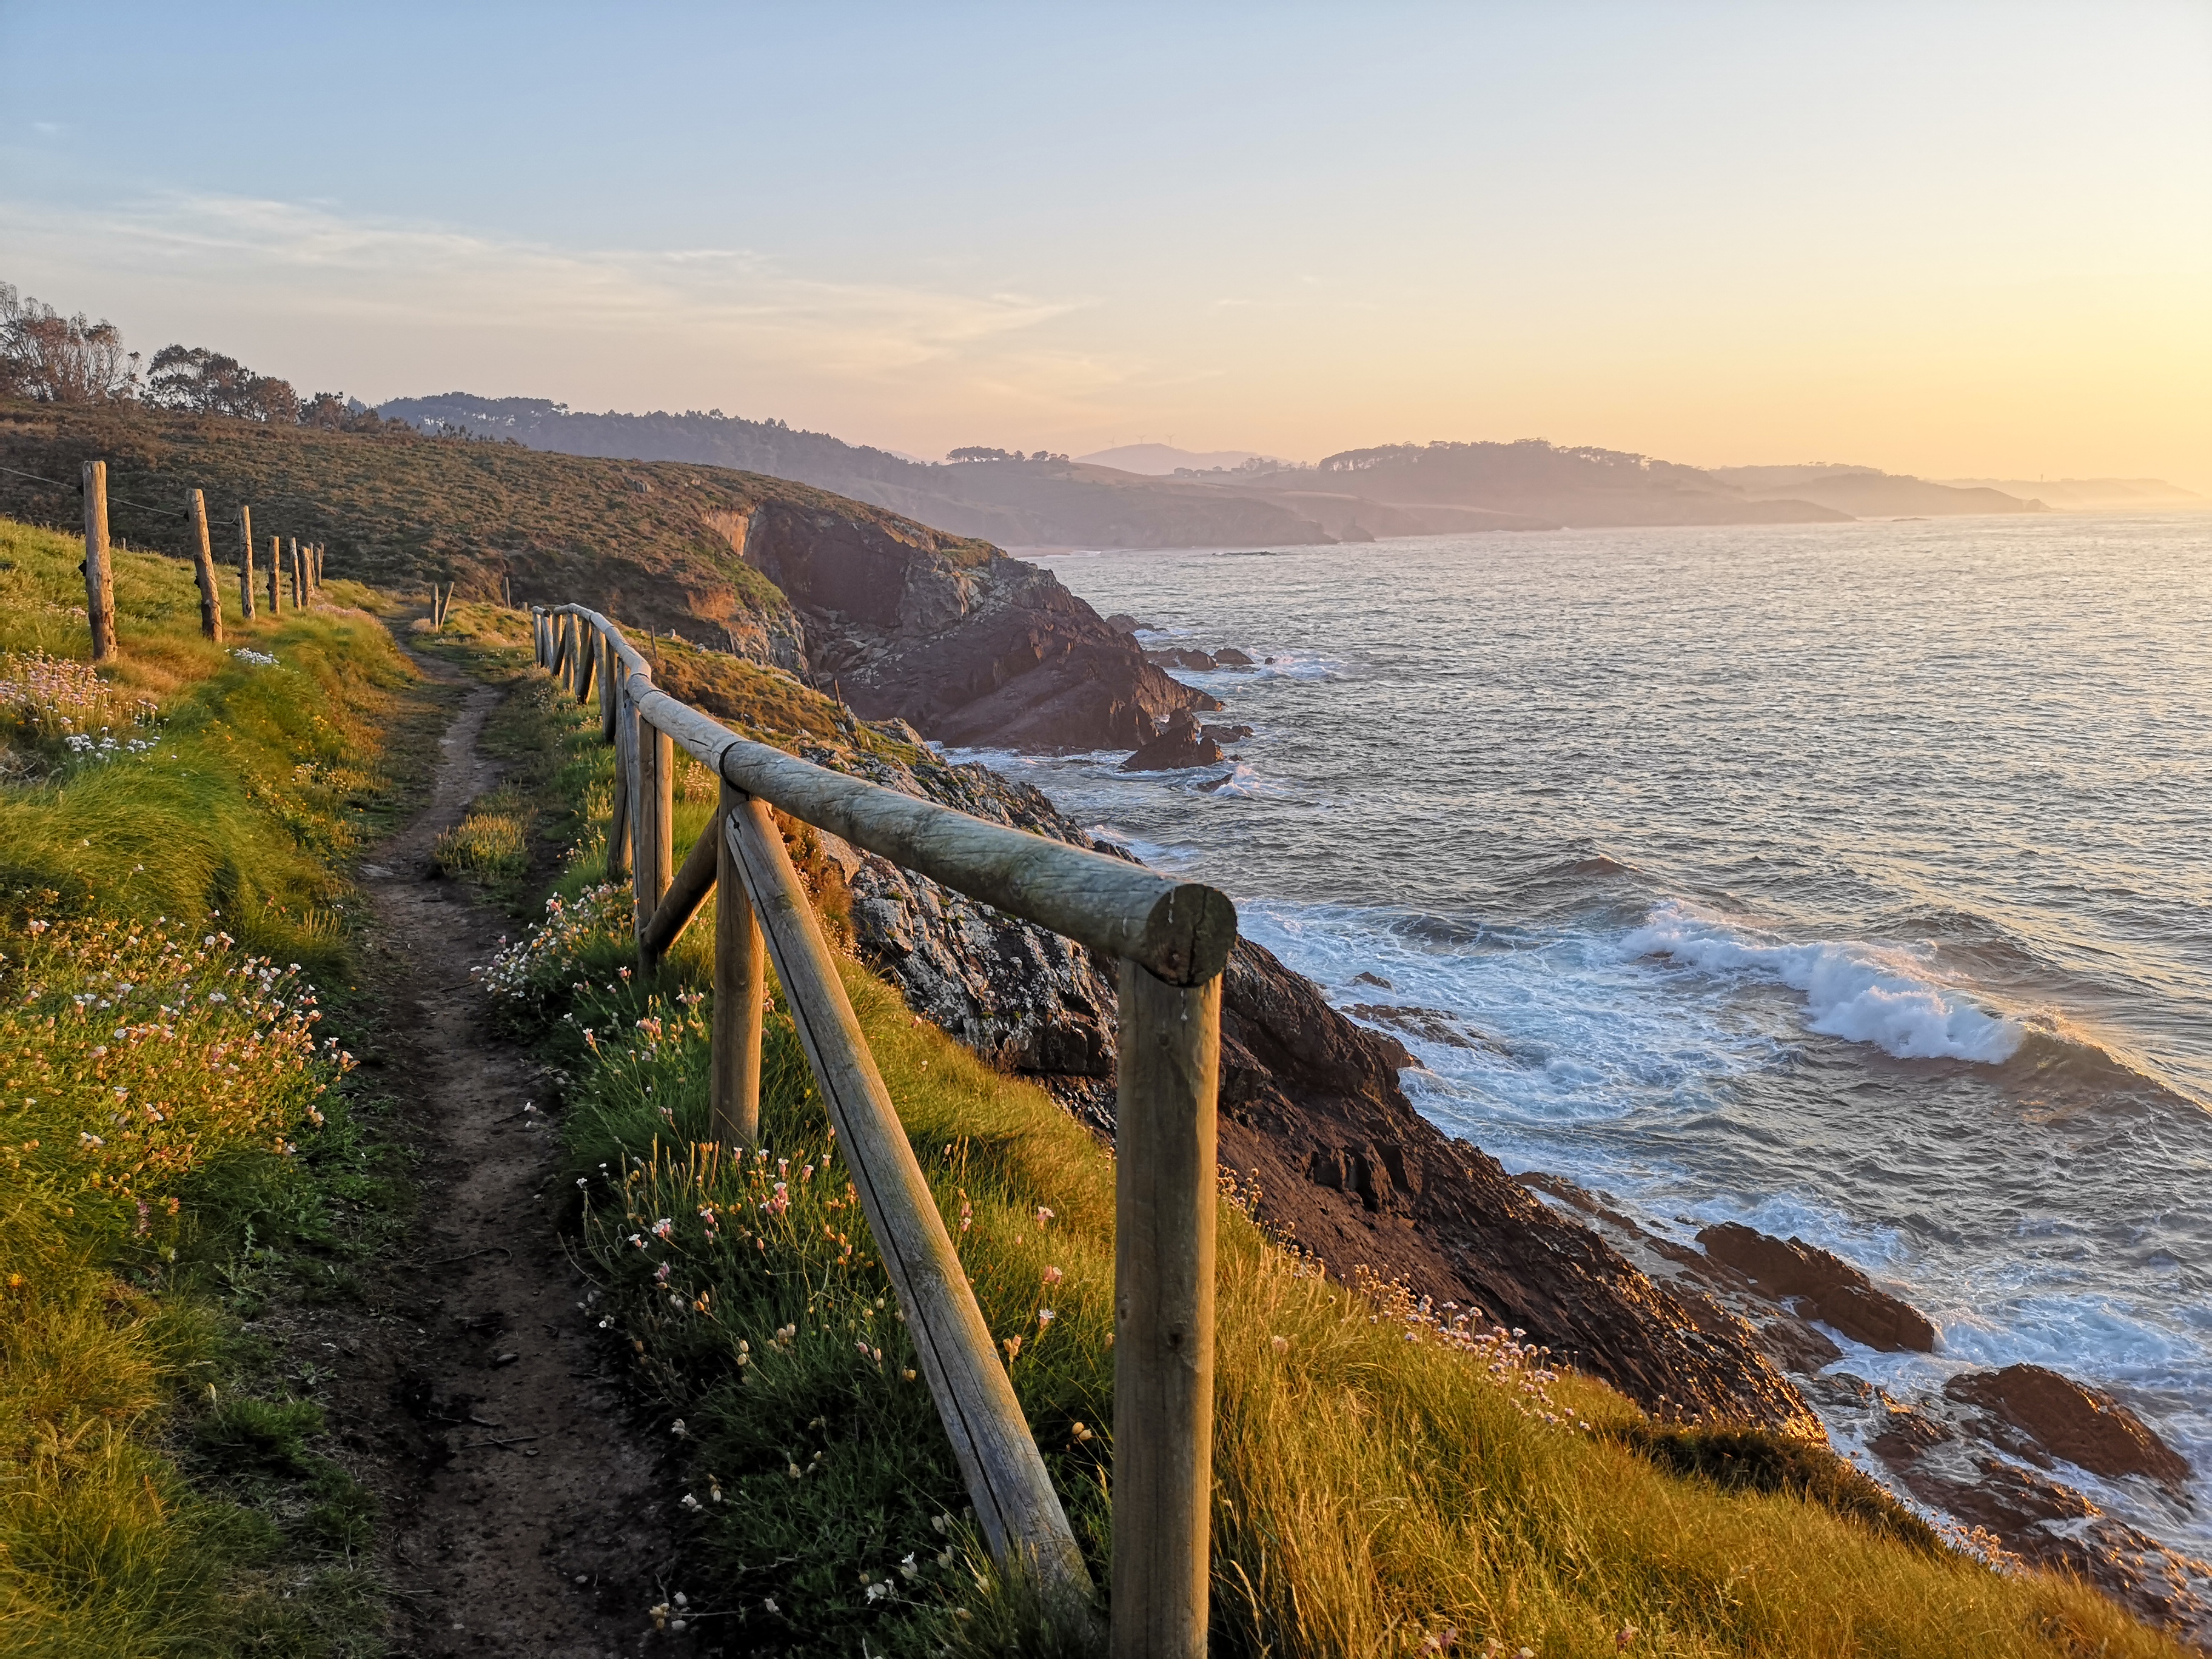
(1181,745)
(1433,1024)
(1312,1112)
(2060,1418)
(1224,734)
(972,647)
(1840,1295)
(1197,662)
(1123,623)
(1230,657)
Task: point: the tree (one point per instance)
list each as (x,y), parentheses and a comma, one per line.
(208,383)
(52,359)
(978,452)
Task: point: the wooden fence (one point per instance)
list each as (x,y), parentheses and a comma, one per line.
(1171,940)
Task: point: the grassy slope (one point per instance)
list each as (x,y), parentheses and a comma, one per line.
(1383,1485)
(404,511)
(158,1493)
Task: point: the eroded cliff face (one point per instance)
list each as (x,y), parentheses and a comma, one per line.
(972,647)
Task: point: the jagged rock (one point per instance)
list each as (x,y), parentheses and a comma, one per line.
(1179,746)
(1432,1024)
(1364,978)
(1197,662)
(1225,734)
(2062,1418)
(972,647)
(1230,657)
(1841,1296)
(1122,623)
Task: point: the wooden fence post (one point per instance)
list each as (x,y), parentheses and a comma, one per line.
(204,568)
(245,561)
(588,659)
(1169,1069)
(99,572)
(609,690)
(653,777)
(1015,1504)
(740,995)
(618,835)
(292,573)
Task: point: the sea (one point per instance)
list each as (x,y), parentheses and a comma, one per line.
(1851,881)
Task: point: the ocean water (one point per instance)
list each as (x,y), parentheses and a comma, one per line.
(1852,881)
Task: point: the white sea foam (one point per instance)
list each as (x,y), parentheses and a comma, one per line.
(1883,994)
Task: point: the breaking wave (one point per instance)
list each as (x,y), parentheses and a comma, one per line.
(1882,994)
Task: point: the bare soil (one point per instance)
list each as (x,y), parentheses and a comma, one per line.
(526,1511)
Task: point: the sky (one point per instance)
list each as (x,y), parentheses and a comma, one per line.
(1947,239)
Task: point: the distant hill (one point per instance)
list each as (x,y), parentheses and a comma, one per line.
(1359,495)
(1533,478)
(1160,459)
(2092,495)
(1866,493)
(1041,503)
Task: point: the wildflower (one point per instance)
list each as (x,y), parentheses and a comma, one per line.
(1013,1345)
(1045,1316)
(909,1570)
(1281,1344)
(1626,1634)
(691,1503)
(1053,1275)
(1043,1215)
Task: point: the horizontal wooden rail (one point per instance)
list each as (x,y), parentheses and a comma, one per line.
(1180,931)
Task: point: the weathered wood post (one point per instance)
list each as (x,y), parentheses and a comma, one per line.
(99,572)
(588,659)
(245,561)
(652,812)
(740,993)
(204,568)
(299,594)
(275,578)
(609,690)
(622,733)
(1169,1068)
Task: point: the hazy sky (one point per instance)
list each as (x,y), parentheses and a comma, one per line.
(1946,238)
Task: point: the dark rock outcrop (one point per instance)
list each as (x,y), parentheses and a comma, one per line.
(1197,662)
(1225,734)
(1787,1269)
(1181,745)
(1230,657)
(1958,1454)
(972,647)
(2056,1417)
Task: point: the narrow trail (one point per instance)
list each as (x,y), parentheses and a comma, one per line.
(527,1520)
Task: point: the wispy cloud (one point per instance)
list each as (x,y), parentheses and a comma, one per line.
(312,261)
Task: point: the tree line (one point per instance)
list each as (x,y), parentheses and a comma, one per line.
(50,358)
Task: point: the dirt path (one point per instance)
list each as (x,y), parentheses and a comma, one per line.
(528,1520)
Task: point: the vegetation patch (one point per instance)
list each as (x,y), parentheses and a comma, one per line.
(176,1142)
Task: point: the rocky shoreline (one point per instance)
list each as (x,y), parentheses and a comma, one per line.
(1741,1328)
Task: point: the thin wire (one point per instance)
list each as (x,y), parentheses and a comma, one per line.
(143,506)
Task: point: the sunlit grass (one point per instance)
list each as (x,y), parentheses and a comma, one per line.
(164,900)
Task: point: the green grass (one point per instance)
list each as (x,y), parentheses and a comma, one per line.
(403,510)
(174,1135)
(1390,1479)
